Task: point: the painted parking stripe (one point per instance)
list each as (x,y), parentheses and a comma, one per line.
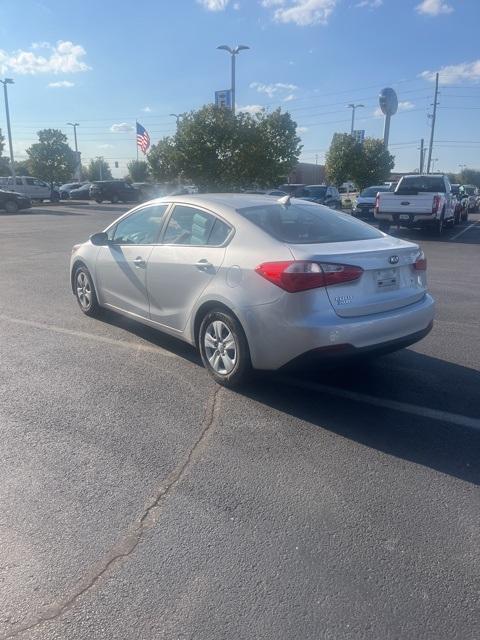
(136,346)
(395,405)
(470,226)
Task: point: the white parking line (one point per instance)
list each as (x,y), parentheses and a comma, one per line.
(136,346)
(395,405)
(463,231)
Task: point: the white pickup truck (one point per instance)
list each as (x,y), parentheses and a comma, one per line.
(419,201)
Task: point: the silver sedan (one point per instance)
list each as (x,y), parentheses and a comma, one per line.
(256,282)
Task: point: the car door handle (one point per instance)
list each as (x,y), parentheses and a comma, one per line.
(204,265)
(139,262)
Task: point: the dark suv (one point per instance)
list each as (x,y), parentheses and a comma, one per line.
(114,190)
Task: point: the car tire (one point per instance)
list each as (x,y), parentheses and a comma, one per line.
(114,199)
(224,349)
(11,206)
(98,201)
(384,226)
(85,292)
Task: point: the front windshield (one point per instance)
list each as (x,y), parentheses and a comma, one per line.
(315,192)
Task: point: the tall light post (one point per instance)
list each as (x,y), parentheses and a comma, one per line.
(77,155)
(10,144)
(233,51)
(353,107)
(177,116)
(100,163)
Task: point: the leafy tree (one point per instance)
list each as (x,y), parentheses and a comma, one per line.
(375,166)
(470,176)
(138,170)
(365,164)
(163,160)
(51,159)
(4,162)
(98,169)
(22,168)
(454,178)
(219,151)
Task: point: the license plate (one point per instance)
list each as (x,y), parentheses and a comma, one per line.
(387,278)
(404,216)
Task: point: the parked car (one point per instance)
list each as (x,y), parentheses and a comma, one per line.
(470,193)
(11,202)
(296,190)
(81,193)
(255,282)
(30,187)
(419,201)
(149,190)
(65,189)
(323,194)
(364,204)
(114,191)
(460,213)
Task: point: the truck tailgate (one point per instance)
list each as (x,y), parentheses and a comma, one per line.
(420,204)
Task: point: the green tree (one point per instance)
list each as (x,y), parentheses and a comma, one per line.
(98,169)
(22,168)
(470,176)
(4,162)
(51,159)
(219,151)
(138,170)
(375,166)
(364,163)
(342,158)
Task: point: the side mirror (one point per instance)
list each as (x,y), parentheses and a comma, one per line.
(99,239)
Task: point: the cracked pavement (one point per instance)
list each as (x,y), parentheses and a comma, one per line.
(140,500)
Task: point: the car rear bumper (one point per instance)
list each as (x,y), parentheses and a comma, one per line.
(274,342)
(422,219)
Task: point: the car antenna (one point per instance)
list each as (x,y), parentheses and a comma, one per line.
(285,200)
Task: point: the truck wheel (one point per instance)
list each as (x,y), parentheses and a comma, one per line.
(384,226)
(11,206)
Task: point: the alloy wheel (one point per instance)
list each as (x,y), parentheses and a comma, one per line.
(220,347)
(84,290)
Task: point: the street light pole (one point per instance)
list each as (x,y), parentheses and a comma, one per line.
(74,125)
(233,51)
(9,130)
(77,155)
(100,163)
(353,107)
(177,116)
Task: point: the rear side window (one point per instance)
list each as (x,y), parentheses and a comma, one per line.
(188,225)
(308,224)
(219,233)
(420,184)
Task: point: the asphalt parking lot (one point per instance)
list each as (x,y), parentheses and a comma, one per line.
(140,500)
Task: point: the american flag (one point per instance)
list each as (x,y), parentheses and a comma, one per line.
(143,139)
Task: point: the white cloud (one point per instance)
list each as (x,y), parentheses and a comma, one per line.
(301,12)
(122,127)
(106,146)
(369,4)
(236,6)
(61,83)
(290,97)
(406,105)
(272,89)
(433,7)
(251,108)
(64,57)
(455,73)
(214,5)
(302,129)
(147,109)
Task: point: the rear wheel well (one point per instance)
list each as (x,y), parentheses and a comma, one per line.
(205,308)
(76,264)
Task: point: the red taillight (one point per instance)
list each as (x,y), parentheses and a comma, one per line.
(301,275)
(436,204)
(377,202)
(420,263)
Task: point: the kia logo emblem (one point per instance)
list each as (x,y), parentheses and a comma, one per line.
(393,259)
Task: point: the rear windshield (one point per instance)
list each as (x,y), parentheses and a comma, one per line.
(371,192)
(420,184)
(315,192)
(307,224)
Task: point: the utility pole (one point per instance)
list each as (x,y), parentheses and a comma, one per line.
(422,155)
(9,130)
(353,107)
(434,117)
(100,162)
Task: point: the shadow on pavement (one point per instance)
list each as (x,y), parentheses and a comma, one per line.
(405,376)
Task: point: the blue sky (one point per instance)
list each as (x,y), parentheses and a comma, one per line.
(107,63)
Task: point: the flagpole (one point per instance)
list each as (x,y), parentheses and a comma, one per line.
(136,142)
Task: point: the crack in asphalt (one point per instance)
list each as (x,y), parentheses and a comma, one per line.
(124,547)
